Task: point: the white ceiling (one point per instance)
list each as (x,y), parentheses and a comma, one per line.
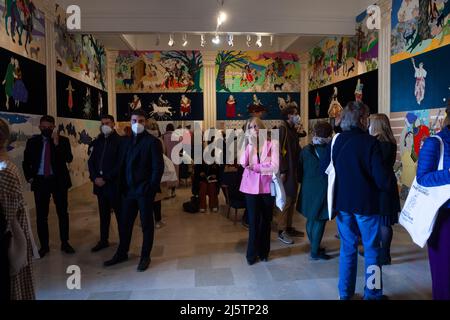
(296,24)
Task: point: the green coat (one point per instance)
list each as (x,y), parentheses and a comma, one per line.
(312,199)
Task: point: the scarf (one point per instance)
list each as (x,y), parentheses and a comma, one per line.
(319,140)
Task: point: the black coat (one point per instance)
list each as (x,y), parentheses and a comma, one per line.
(360,173)
(60,156)
(142,165)
(390,200)
(104,162)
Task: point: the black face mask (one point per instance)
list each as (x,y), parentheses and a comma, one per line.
(47,133)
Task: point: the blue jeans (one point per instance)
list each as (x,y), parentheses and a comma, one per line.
(349,226)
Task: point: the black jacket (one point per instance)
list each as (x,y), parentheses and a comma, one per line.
(60,155)
(360,173)
(142,165)
(104,162)
(390,200)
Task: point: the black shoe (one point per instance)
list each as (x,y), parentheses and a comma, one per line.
(67,248)
(43,252)
(251,262)
(265,259)
(100,245)
(320,256)
(115,260)
(143,264)
(295,233)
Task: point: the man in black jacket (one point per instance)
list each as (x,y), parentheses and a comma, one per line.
(103,172)
(45,168)
(141,170)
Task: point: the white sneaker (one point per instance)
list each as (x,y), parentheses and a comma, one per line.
(215,209)
(202,210)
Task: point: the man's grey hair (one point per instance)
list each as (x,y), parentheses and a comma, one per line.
(352,115)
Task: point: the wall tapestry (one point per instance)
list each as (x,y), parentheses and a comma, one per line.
(23,86)
(419,26)
(22,29)
(76,99)
(337,58)
(421,82)
(324,102)
(79,55)
(159,71)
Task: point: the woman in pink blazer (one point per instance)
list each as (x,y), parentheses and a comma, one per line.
(256,179)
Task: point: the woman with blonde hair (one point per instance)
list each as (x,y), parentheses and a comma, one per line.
(380,127)
(260,160)
(12,207)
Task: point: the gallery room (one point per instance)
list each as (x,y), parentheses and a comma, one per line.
(225,150)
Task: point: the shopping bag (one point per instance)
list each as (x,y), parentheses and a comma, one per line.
(422,206)
(331,180)
(277,190)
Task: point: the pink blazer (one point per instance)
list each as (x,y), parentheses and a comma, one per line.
(257,181)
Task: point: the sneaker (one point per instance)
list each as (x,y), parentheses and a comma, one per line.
(143,264)
(245,225)
(283,237)
(215,209)
(295,233)
(100,245)
(202,210)
(158,225)
(67,248)
(115,260)
(320,256)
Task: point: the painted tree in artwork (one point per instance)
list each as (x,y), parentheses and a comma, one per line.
(193,61)
(99,56)
(225,59)
(423,23)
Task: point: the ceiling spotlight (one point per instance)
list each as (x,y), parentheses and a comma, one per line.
(202,40)
(271,40)
(157,40)
(171,42)
(216,39)
(221,18)
(185,41)
(259,42)
(249,39)
(230,40)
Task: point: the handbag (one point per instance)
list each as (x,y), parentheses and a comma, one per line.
(17,251)
(422,206)
(331,181)
(277,191)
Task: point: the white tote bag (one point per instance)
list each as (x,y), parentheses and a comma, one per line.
(422,206)
(170,174)
(277,190)
(331,179)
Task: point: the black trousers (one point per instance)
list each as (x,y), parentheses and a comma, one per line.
(130,208)
(157,210)
(5,281)
(46,187)
(260,213)
(106,203)
(315,229)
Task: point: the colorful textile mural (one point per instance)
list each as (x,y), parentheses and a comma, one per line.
(79,55)
(23,127)
(255,71)
(234,106)
(161,106)
(324,102)
(337,58)
(80,133)
(159,71)
(23,86)
(421,82)
(419,26)
(411,129)
(244,78)
(22,29)
(76,99)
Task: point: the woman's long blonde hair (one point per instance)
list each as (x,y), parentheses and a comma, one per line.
(380,127)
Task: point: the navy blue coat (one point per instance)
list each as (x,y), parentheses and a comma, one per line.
(360,173)
(142,165)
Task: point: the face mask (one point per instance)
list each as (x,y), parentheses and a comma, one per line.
(137,128)
(106,130)
(47,132)
(296,119)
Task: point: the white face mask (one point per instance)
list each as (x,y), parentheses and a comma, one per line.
(296,119)
(106,130)
(137,128)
